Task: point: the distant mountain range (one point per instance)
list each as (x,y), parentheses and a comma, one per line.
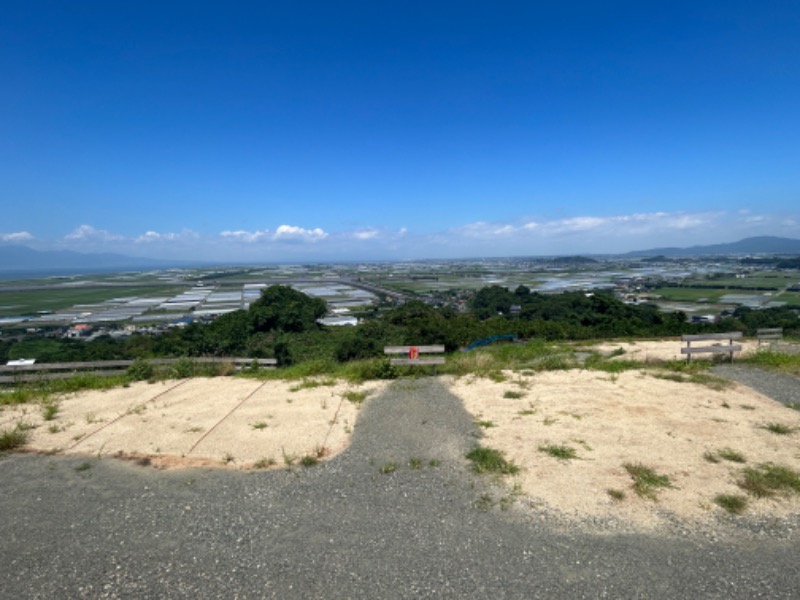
(22,258)
(752,245)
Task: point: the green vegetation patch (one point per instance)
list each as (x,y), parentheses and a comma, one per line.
(774,361)
(11,439)
(646,482)
(767,480)
(489,460)
(560,452)
(778,428)
(733,503)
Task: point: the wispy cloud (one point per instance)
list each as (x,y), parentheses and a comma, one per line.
(154,236)
(17,236)
(87,233)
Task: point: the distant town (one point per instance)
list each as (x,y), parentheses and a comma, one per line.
(153,301)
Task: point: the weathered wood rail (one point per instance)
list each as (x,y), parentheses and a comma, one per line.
(717,348)
(110,368)
(772,334)
(415,355)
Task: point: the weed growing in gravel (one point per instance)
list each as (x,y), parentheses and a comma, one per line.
(434,462)
(711,457)
(485,424)
(513,394)
(264,463)
(617,495)
(288,459)
(731,455)
(767,479)
(227,458)
(84,466)
(733,503)
(259,425)
(414,464)
(778,428)
(489,460)
(549,421)
(646,481)
(355,397)
(49,410)
(309,461)
(388,468)
(11,439)
(560,452)
(307,384)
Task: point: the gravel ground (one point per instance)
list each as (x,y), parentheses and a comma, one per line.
(88,528)
(782,387)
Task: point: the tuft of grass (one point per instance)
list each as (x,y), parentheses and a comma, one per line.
(711,457)
(485,424)
(434,462)
(731,455)
(309,460)
(733,503)
(10,439)
(49,410)
(617,495)
(259,425)
(355,397)
(646,482)
(513,394)
(388,468)
(264,463)
(414,464)
(766,480)
(560,452)
(489,460)
(227,458)
(308,384)
(497,376)
(778,428)
(84,466)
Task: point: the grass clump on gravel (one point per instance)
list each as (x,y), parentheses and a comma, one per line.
(733,503)
(767,480)
(11,439)
(646,482)
(778,428)
(489,460)
(560,452)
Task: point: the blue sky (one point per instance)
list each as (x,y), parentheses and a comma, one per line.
(243,131)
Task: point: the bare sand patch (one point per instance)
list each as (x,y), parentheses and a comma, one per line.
(200,422)
(632,417)
(658,350)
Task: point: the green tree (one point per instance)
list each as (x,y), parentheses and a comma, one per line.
(281,308)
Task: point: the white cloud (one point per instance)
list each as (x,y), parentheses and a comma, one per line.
(366,234)
(290,232)
(245,236)
(17,236)
(87,233)
(155,236)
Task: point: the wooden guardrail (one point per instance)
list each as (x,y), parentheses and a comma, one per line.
(415,355)
(773,334)
(718,348)
(109,368)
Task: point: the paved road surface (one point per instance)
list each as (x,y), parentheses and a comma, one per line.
(345,530)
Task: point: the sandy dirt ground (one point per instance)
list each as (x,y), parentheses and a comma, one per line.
(679,429)
(237,423)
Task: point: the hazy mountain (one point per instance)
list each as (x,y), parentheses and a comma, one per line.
(22,258)
(752,245)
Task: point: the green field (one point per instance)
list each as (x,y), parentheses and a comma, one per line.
(688,294)
(28,302)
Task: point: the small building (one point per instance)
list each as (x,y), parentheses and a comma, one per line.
(80,330)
